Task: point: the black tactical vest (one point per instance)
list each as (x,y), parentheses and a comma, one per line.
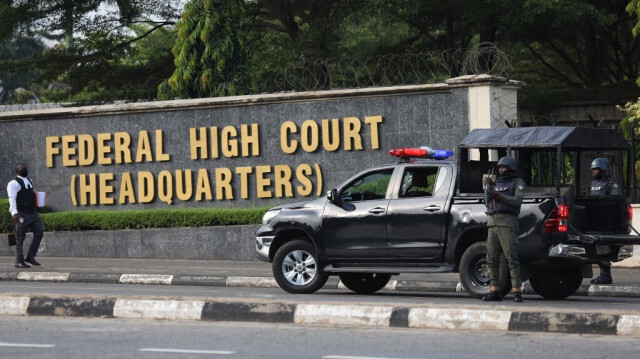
(601,187)
(26,197)
(506,186)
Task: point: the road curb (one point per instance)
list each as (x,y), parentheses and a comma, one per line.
(268,282)
(456,318)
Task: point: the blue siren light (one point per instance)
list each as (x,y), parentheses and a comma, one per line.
(438,154)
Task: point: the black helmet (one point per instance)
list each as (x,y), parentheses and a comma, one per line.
(600,163)
(509,162)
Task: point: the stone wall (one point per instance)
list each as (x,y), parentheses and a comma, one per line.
(219,243)
(243,151)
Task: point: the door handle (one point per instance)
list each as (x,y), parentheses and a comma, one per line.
(376,210)
(432,208)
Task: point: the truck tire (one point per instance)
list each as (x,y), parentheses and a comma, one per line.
(365,283)
(557,283)
(474,271)
(296,268)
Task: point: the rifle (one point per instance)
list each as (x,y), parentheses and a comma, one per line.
(490,202)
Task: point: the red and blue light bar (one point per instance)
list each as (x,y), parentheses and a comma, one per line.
(422,152)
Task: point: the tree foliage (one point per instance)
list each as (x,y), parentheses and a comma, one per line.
(12,82)
(554,45)
(211,53)
(94,43)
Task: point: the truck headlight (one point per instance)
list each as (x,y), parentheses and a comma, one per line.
(269,216)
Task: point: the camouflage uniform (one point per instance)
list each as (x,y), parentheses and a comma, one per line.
(503,229)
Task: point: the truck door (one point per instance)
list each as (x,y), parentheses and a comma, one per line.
(357,227)
(417,217)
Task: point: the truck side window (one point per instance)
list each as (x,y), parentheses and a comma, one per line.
(418,182)
(368,187)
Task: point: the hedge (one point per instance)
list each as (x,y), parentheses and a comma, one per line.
(136,219)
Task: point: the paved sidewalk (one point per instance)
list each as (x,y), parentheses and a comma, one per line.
(249,274)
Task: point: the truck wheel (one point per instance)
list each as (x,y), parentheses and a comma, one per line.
(474,271)
(296,268)
(556,283)
(365,283)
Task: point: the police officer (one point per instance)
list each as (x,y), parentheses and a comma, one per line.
(603,185)
(503,200)
(23,211)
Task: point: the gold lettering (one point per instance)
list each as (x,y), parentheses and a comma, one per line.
(144,148)
(252,140)
(50,149)
(309,135)
(229,141)
(244,180)
(331,135)
(126,190)
(68,151)
(121,142)
(146,187)
(203,187)
(373,122)
(223,183)
(263,182)
(86,151)
(106,188)
(283,181)
(198,143)
(287,146)
(88,188)
(302,173)
(352,127)
(72,190)
(104,149)
(215,153)
(160,155)
(165,187)
(318,179)
(184,187)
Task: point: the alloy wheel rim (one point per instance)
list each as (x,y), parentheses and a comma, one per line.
(299,267)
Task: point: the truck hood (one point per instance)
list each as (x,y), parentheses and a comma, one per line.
(297,205)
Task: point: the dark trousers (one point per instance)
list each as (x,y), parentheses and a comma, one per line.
(503,240)
(29,221)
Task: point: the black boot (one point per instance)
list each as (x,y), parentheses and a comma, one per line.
(22,264)
(602,279)
(605,274)
(517,297)
(32,261)
(493,296)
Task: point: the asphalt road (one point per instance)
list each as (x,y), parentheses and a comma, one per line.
(617,305)
(53,337)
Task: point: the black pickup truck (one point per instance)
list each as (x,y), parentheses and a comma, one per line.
(428,216)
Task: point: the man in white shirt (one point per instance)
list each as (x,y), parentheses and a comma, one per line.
(22,205)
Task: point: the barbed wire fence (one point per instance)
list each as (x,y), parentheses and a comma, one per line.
(370,71)
(389,70)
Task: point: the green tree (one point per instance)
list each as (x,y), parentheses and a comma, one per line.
(211,53)
(96,40)
(12,81)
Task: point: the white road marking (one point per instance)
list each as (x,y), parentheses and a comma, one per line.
(23,345)
(14,305)
(158,309)
(186,351)
(44,276)
(146,279)
(352,357)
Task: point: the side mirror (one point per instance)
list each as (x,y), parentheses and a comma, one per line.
(333,196)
